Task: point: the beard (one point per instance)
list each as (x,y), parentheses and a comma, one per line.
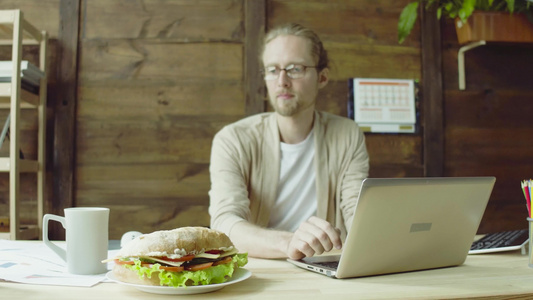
(285,108)
(291,107)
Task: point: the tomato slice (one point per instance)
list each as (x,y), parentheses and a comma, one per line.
(183,258)
(214,251)
(199,266)
(226,260)
(124,262)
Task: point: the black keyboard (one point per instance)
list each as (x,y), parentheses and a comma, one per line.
(500,241)
(328,264)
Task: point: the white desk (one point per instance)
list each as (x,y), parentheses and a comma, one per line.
(498,275)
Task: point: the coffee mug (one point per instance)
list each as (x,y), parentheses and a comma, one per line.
(86,239)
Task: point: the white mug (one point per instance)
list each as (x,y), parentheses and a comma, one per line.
(86,239)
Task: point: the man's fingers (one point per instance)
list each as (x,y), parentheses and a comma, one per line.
(299,248)
(329,235)
(313,237)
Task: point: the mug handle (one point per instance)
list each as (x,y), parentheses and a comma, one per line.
(58,250)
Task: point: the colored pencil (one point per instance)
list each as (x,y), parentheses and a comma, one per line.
(526,189)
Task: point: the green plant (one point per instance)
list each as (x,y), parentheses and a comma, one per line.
(457,9)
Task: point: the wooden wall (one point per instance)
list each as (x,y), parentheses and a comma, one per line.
(488,125)
(156,79)
(156,82)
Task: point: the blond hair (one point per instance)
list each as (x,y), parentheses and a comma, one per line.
(317,49)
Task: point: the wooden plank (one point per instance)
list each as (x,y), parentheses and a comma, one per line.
(350,60)
(177,20)
(432,102)
(14,147)
(144,60)
(491,108)
(155,181)
(350,22)
(33,31)
(104,101)
(499,217)
(65,107)
(254,24)
(394,171)
(140,143)
(394,149)
(24,165)
(115,74)
(489,145)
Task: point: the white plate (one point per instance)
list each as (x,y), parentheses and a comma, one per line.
(238,276)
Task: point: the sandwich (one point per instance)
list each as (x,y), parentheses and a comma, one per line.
(177,258)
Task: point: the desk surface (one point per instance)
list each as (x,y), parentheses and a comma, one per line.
(497,275)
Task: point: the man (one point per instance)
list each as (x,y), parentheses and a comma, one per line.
(285,184)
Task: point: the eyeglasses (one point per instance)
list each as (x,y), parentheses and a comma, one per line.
(293,71)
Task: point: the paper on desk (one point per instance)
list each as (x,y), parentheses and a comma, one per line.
(33,263)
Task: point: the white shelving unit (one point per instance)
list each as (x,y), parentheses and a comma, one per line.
(16,32)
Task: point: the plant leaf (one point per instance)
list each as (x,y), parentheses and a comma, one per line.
(510,5)
(407,21)
(467,9)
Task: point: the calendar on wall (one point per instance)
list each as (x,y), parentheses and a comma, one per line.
(383,105)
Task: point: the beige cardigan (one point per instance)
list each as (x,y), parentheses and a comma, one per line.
(245,166)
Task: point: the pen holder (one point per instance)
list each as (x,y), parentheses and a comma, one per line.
(530,242)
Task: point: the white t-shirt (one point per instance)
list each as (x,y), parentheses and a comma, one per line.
(296,200)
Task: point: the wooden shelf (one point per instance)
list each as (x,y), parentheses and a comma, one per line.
(16,32)
(501,27)
(29,232)
(483,27)
(25,166)
(29,100)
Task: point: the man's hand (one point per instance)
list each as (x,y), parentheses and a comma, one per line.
(314,236)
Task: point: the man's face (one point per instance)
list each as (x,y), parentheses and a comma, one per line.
(290,97)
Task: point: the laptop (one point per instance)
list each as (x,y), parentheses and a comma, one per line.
(408,224)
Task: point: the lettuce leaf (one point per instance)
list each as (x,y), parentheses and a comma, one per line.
(211,275)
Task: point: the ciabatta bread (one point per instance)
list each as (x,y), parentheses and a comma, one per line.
(184,240)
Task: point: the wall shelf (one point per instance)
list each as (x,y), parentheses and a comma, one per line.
(483,27)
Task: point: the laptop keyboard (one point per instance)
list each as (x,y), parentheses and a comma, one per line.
(501,239)
(328,264)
